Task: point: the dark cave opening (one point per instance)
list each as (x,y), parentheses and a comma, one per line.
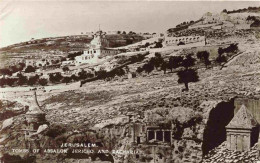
(215,131)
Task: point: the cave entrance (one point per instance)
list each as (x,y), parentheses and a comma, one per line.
(215,132)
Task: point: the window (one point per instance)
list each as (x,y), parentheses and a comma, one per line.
(150,135)
(167,136)
(138,140)
(159,135)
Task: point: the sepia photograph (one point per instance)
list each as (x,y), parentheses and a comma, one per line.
(114,81)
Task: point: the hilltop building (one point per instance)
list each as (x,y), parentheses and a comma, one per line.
(99,47)
(173,41)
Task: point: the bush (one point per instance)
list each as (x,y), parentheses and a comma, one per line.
(43,82)
(29,69)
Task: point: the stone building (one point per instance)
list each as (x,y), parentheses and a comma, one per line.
(171,41)
(98,48)
(210,18)
(35,117)
(158,134)
(241,130)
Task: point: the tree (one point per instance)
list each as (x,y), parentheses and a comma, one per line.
(21,79)
(74,77)
(119,72)
(5,71)
(203,56)
(186,76)
(10,81)
(164,67)
(33,80)
(139,70)
(58,77)
(156,61)
(14,69)
(65,68)
(43,82)
(102,74)
(175,62)
(221,58)
(55,78)
(124,32)
(148,67)
(225,10)
(52,78)
(146,44)
(220,51)
(2,82)
(66,80)
(188,61)
(82,74)
(21,65)
(29,69)
(158,45)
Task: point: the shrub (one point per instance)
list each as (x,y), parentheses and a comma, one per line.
(43,82)
(29,69)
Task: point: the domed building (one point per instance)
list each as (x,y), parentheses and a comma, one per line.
(99,47)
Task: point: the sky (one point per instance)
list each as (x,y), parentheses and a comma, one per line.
(23,20)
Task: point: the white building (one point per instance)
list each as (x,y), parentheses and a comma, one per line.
(98,49)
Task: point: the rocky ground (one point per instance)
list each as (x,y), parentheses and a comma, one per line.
(221,154)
